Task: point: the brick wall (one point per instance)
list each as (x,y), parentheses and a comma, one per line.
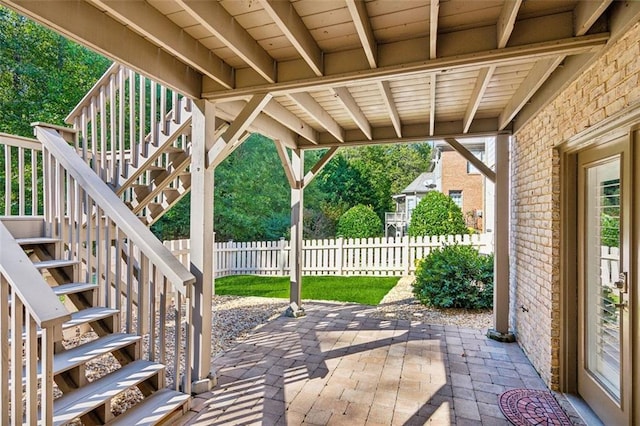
(456,178)
(607,87)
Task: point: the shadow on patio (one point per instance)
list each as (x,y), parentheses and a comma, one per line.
(338,366)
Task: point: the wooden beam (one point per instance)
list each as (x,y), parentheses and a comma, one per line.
(434,9)
(536,77)
(262,123)
(586,13)
(506,21)
(317,168)
(291,25)
(288,119)
(213,17)
(315,110)
(468,155)
(153,25)
(288,83)
(432,103)
(387,98)
(286,163)
(350,104)
(476,96)
(246,117)
(360,17)
(416,132)
(85,24)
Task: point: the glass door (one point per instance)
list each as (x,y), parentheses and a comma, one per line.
(604,344)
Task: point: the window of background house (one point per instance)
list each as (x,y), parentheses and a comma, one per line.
(470,168)
(456,196)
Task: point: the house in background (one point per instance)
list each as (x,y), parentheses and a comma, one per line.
(451,174)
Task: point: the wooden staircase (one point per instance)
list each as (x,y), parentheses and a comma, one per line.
(81,399)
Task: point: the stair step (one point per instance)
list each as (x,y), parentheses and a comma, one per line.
(88,315)
(32,241)
(152,409)
(72,288)
(99,392)
(54,263)
(79,355)
(74,357)
(69,288)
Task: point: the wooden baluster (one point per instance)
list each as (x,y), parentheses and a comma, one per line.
(175,107)
(16,358)
(4,352)
(113,134)
(46,367)
(118,269)
(103,135)
(31,353)
(143,297)
(85,135)
(153,308)
(142,136)
(178,341)
(103,287)
(133,145)
(153,119)
(7,182)
(163,321)
(34,183)
(94,136)
(121,124)
(130,277)
(21,182)
(163,109)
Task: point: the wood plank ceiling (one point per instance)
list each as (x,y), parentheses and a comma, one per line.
(348,72)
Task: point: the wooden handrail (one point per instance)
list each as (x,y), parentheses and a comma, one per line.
(94,92)
(117,211)
(20,142)
(28,284)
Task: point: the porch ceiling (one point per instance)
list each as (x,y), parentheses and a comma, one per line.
(349,72)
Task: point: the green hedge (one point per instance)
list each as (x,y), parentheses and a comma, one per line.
(359,222)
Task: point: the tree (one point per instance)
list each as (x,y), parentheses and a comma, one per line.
(359,222)
(437,214)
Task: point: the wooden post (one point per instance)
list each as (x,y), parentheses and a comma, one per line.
(297,210)
(202,183)
(501,241)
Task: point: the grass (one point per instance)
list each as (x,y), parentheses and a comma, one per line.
(364,290)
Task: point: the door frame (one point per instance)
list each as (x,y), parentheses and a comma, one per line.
(623,124)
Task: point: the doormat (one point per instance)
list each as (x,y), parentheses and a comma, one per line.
(525,407)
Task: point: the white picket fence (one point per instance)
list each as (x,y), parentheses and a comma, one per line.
(371,256)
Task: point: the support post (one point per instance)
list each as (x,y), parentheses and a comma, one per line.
(201,230)
(501,244)
(297,210)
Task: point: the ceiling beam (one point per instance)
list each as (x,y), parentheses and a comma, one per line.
(470,61)
(416,132)
(387,98)
(476,96)
(360,18)
(315,110)
(506,21)
(212,16)
(434,9)
(432,103)
(87,25)
(350,104)
(291,25)
(153,25)
(288,119)
(586,13)
(536,77)
(468,155)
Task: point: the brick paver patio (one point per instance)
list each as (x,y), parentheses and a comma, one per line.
(337,366)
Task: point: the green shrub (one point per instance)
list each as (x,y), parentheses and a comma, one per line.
(455,277)
(609,230)
(359,222)
(437,214)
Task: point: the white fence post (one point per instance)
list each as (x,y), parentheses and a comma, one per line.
(339,257)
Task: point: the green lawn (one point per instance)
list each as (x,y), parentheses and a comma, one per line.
(365,290)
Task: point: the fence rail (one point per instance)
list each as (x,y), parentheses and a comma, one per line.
(370,256)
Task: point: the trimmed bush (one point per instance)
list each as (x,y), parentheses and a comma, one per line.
(359,222)
(455,277)
(437,214)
